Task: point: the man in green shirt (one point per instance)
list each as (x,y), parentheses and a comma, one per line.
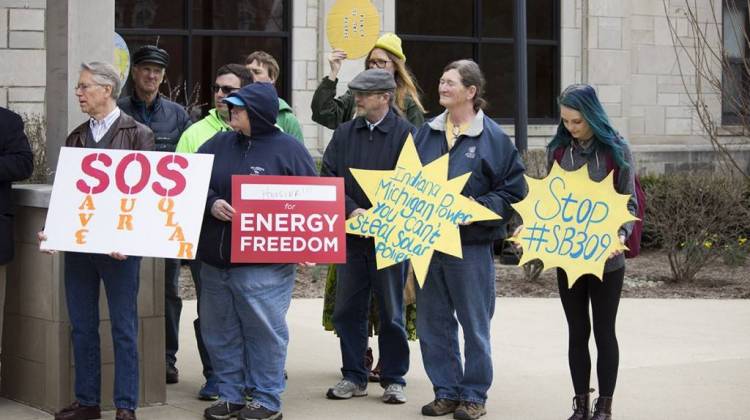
(229,78)
(265,68)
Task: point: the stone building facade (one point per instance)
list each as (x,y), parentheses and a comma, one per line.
(624,48)
(22,55)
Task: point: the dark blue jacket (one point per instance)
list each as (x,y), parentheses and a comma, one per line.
(16,164)
(354,145)
(496,168)
(165,118)
(268,151)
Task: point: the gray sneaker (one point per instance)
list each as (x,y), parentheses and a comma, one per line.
(394,394)
(346,389)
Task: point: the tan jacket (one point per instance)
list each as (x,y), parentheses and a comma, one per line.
(130,135)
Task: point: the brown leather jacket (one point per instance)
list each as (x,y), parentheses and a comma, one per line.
(130,135)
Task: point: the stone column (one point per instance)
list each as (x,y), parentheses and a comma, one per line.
(37,361)
(608,56)
(36,364)
(77,31)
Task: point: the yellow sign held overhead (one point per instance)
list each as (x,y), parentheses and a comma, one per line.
(353,26)
(416,211)
(572,222)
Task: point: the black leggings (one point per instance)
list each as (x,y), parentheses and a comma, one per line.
(605,298)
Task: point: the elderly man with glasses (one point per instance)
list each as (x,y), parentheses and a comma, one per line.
(107,128)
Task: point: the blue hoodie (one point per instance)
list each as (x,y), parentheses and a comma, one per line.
(268,151)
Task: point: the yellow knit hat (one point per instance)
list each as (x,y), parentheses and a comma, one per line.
(391,43)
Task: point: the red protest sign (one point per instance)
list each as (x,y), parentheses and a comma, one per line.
(288,219)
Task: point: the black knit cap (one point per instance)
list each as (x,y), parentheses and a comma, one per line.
(151,54)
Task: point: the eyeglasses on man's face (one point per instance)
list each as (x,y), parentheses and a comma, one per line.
(84,87)
(224,89)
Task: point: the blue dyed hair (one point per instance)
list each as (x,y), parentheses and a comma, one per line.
(583,99)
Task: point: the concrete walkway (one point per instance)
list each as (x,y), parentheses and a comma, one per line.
(680,359)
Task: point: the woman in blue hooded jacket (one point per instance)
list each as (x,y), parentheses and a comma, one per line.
(475,144)
(243,306)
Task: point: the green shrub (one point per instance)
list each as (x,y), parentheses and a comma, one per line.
(650,240)
(698,218)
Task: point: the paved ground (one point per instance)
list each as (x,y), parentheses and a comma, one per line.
(680,359)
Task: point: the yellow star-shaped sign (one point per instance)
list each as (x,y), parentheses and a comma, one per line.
(572,222)
(416,211)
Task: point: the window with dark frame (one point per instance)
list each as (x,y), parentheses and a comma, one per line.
(436,32)
(202,35)
(735,76)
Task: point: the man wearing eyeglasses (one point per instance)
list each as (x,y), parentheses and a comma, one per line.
(229,78)
(372,140)
(167,120)
(107,128)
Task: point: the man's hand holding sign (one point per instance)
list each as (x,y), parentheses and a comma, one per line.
(572,222)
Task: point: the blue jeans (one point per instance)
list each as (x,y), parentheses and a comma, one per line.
(465,287)
(195,272)
(243,323)
(172,309)
(83,274)
(355,281)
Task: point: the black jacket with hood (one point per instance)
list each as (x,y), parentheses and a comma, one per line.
(268,151)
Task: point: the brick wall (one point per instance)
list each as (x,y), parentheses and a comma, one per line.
(626,50)
(22,55)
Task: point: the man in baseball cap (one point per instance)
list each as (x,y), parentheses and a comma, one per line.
(167,120)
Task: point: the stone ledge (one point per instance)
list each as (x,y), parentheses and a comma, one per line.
(32,195)
(25,4)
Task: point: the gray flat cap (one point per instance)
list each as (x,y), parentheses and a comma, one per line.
(373,80)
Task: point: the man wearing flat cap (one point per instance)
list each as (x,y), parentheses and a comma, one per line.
(167,120)
(372,140)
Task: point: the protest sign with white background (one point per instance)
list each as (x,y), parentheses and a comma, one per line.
(133,202)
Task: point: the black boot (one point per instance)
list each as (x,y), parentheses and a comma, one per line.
(603,410)
(580,407)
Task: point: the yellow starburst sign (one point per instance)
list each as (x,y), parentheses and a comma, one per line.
(572,222)
(416,211)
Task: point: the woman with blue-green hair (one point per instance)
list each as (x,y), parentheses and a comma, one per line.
(586,136)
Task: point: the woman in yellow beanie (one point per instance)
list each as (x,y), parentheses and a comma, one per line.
(330,111)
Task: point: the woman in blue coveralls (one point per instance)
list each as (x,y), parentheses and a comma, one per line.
(476,144)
